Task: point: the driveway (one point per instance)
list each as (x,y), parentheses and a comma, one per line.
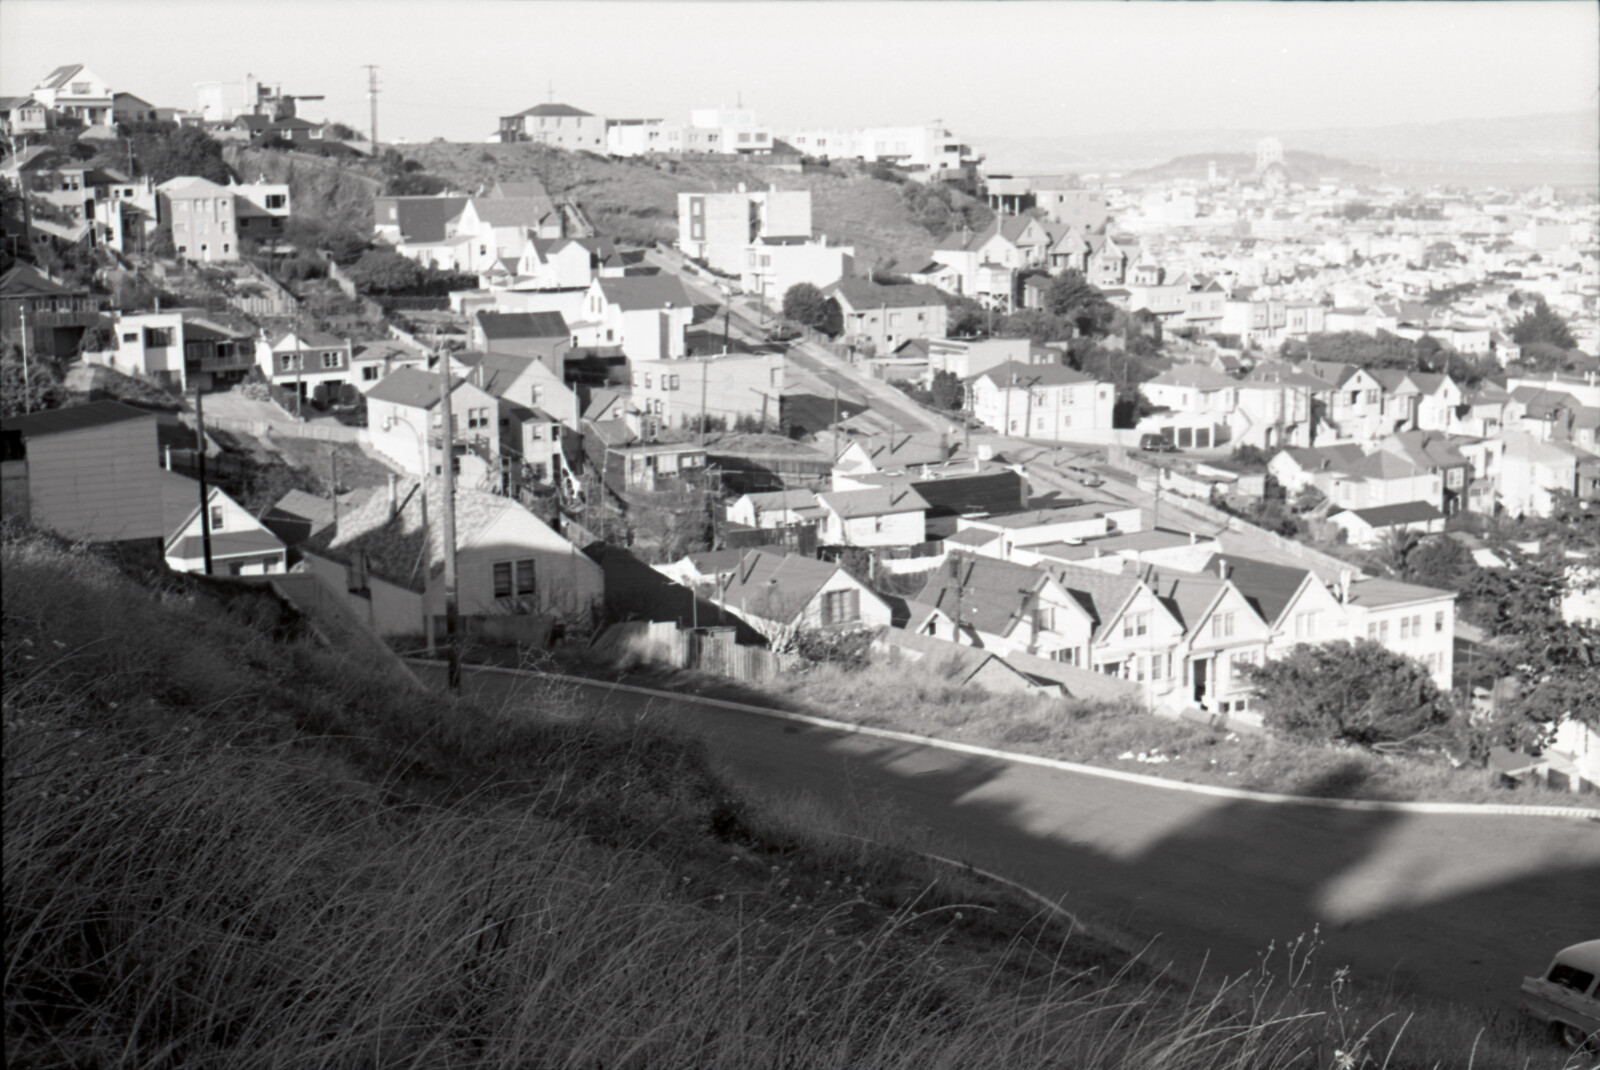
(1444,906)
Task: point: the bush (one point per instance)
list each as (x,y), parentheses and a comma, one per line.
(1342,692)
(850,651)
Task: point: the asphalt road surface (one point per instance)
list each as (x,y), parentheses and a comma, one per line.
(1439,906)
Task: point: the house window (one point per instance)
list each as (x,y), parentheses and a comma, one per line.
(1405,627)
(330,360)
(132,336)
(291,362)
(216,518)
(157,337)
(477,418)
(841,607)
(1044,618)
(1438,621)
(525,576)
(502,579)
(1383,632)
(1135,624)
(1222,625)
(1305,625)
(1416,626)
(369,375)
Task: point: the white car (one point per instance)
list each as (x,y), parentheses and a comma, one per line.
(1567,995)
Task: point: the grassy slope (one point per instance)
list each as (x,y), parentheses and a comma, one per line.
(918,698)
(226,846)
(628,200)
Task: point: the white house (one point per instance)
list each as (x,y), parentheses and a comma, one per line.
(782,593)
(1048,401)
(240,544)
(646,315)
(878,516)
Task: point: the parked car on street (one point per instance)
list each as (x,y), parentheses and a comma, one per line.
(1567,995)
(1156,444)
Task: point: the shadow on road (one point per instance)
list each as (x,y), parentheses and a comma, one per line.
(1440,906)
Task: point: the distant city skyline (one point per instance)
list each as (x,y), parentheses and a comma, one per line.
(1005,70)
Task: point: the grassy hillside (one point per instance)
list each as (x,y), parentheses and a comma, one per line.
(633,201)
(226,846)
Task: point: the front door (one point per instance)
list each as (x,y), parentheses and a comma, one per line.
(1199,671)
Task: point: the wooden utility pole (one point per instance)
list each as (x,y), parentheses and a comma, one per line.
(835,422)
(205,491)
(333,461)
(27,382)
(705,374)
(447,527)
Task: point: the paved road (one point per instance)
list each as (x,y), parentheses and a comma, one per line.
(1451,907)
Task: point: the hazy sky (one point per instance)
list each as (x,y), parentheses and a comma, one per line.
(987,68)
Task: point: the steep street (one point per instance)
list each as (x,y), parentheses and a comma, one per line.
(1444,906)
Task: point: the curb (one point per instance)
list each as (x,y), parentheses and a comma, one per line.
(1362,805)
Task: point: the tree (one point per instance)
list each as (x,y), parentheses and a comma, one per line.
(1341,692)
(164,151)
(1394,548)
(1036,325)
(1075,298)
(41,389)
(948,391)
(804,304)
(964,316)
(1440,562)
(1540,324)
(386,271)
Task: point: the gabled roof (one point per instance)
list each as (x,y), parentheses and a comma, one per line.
(411,387)
(193,186)
(1391,379)
(496,371)
(393,546)
(60,76)
(1383,516)
(423,219)
(1025,375)
(1195,376)
(1334,372)
(899,450)
(783,499)
(1101,594)
(554,109)
(874,501)
(1187,596)
(512,211)
(25,279)
(1269,588)
(632,293)
(75,418)
(865,294)
(1337,457)
(992,594)
(1378,591)
(762,582)
(506,325)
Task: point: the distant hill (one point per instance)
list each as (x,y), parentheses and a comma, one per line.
(1560,149)
(1305,167)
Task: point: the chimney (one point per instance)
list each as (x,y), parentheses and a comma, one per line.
(169,458)
(394,495)
(1193,538)
(1223,568)
(1344,586)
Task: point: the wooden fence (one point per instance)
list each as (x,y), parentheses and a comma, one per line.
(709,650)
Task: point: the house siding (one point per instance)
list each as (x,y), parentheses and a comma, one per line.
(99,483)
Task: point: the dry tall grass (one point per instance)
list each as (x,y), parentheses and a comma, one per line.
(224,848)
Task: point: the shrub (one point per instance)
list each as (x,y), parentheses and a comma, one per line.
(1360,693)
